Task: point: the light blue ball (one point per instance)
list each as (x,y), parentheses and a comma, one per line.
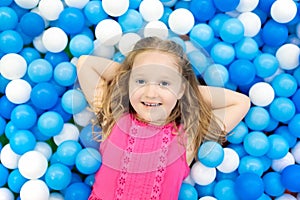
(73,101)
(81,45)
(284,85)
(210,154)
(251,164)
(237,135)
(30,54)
(199,61)
(50,123)
(256,143)
(4,175)
(265,64)
(246,48)
(232,30)
(22,141)
(8,18)
(11,42)
(273,184)
(202,34)
(279,147)
(287,135)
(23,116)
(294,125)
(282,109)
(65,74)
(126,20)
(40,70)
(224,190)
(94,12)
(88,161)
(257,118)
(216,75)
(222,53)
(217,22)
(187,192)
(67,152)
(58,176)
(15,181)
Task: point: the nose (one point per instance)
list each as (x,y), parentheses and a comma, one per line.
(151,90)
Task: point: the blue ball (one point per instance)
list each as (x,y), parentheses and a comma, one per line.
(210,154)
(216,75)
(217,22)
(40,70)
(265,5)
(251,164)
(22,141)
(134,4)
(67,152)
(265,64)
(182,4)
(56,58)
(44,95)
(237,135)
(187,192)
(232,30)
(8,18)
(50,123)
(81,45)
(242,72)
(246,48)
(15,181)
(88,161)
(290,178)
(224,190)
(88,136)
(287,135)
(294,125)
(11,41)
(282,109)
(10,129)
(94,12)
(296,100)
(273,124)
(257,118)
(5,2)
(77,191)
(90,180)
(32,24)
(243,190)
(202,10)
(224,176)
(205,190)
(271,39)
(59,109)
(73,101)
(273,184)
(4,175)
(256,143)
(202,34)
(65,74)
(30,54)
(127,18)
(226,6)
(23,116)
(58,176)
(3,83)
(222,53)
(71,20)
(199,61)
(285,85)
(279,147)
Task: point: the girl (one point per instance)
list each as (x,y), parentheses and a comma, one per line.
(154,115)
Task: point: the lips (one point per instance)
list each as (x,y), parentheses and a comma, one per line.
(151,104)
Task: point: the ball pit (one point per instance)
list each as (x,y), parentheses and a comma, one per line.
(47,149)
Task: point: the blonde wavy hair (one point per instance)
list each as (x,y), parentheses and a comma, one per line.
(191,110)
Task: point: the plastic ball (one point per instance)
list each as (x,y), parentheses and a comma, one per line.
(224,189)
(56,196)
(237,135)
(199,61)
(257,118)
(127,42)
(256,91)
(18,91)
(115,8)
(285,85)
(279,164)
(246,48)
(202,34)
(282,109)
(58,176)
(32,24)
(11,41)
(15,181)
(34,190)
(185,17)
(44,95)
(80,45)
(242,72)
(22,141)
(50,123)
(40,70)
(288,56)
(50,9)
(83,118)
(210,154)
(216,75)
(228,6)
(4,175)
(217,21)
(27,4)
(287,135)
(290,178)
(44,148)
(251,23)
(256,143)
(187,192)
(32,165)
(71,20)
(54,39)
(230,162)
(271,39)
(222,53)
(265,64)
(65,74)
(126,20)
(296,100)
(251,164)
(273,184)
(88,137)
(156,28)
(108,32)
(76,4)
(6,194)
(88,161)
(77,191)
(246,6)
(294,125)
(67,152)
(201,174)
(94,12)
(202,10)
(56,58)
(9,158)
(23,116)
(73,101)
(30,54)
(232,30)
(279,147)
(8,18)
(151,10)
(242,186)
(283,11)
(13,66)
(38,44)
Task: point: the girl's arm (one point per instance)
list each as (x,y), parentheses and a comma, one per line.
(228,106)
(91,70)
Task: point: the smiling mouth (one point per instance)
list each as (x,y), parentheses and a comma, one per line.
(151,104)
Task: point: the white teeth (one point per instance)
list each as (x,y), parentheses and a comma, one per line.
(151,104)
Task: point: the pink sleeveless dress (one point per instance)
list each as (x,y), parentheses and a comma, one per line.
(141,162)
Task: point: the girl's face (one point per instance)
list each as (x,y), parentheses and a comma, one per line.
(155,85)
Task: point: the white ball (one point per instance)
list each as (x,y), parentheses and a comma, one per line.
(247,5)
(69,132)
(56,196)
(84,117)
(285,196)
(108,32)
(127,42)
(27,4)
(288,56)
(251,23)
(296,152)
(181,21)
(283,11)
(202,175)
(9,158)
(18,91)
(6,194)
(261,94)
(207,198)
(106,51)
(156,28)
(151,10)
(34,190)
(115,8)
(32,165)
(44,148)
(279,164)
(55,39)
(230,162)
(50,9)
(76,4)
(13,66)
(38,44)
